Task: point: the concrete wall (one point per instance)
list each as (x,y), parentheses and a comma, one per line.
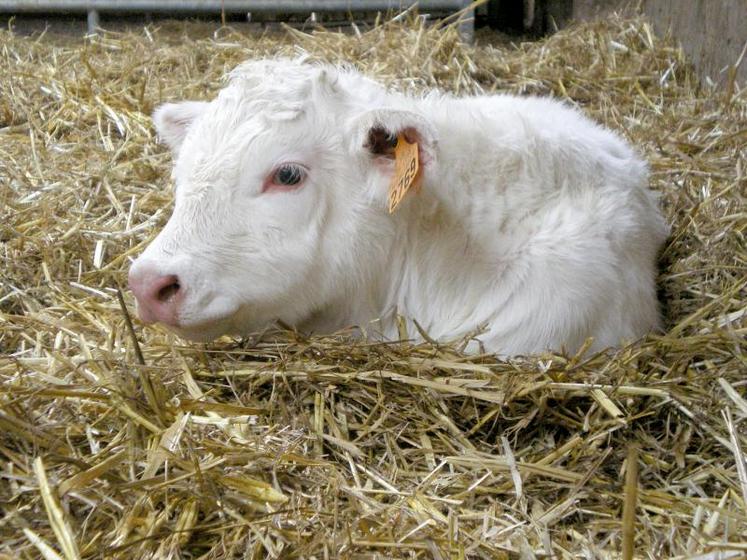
(713,33)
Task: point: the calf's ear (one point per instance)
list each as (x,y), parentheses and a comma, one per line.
(172,121)
(375,133)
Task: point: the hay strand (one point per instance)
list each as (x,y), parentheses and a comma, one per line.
(629,506)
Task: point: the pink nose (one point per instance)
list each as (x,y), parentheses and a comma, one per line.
(158,295)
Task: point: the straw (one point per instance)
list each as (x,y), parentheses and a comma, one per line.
(283,445)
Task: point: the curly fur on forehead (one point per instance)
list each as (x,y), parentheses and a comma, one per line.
(259,95)
(278,68)
(287,87)
(283,87)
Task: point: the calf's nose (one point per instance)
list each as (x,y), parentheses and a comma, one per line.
(158,295)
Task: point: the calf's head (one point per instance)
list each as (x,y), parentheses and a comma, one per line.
(280,190)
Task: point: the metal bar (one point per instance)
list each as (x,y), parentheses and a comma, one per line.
(229,6)
(93,21)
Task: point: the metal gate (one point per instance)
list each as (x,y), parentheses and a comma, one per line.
(194,7)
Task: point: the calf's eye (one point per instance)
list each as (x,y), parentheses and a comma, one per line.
(289,175)
(285,177)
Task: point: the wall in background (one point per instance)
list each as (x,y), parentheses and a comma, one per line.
(712,32)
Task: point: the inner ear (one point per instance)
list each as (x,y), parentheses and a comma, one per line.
(381,142)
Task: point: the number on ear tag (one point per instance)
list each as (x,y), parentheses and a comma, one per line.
(406,171)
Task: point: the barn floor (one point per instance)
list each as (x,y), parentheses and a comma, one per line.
(283,446)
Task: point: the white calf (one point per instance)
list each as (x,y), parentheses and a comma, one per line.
(531,222)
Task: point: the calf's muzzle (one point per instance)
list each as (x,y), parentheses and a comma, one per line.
(158,296)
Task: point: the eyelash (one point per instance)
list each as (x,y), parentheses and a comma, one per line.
(294,172)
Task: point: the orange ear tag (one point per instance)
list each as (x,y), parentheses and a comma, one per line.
(406,171)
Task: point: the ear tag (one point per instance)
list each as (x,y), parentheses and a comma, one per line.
(406,171)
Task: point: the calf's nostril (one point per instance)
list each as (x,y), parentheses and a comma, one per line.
(167,293)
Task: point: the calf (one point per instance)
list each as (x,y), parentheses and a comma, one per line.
(525,220)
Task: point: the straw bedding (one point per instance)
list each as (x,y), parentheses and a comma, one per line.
(287,446)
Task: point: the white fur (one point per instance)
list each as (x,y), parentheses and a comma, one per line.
(532,223)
